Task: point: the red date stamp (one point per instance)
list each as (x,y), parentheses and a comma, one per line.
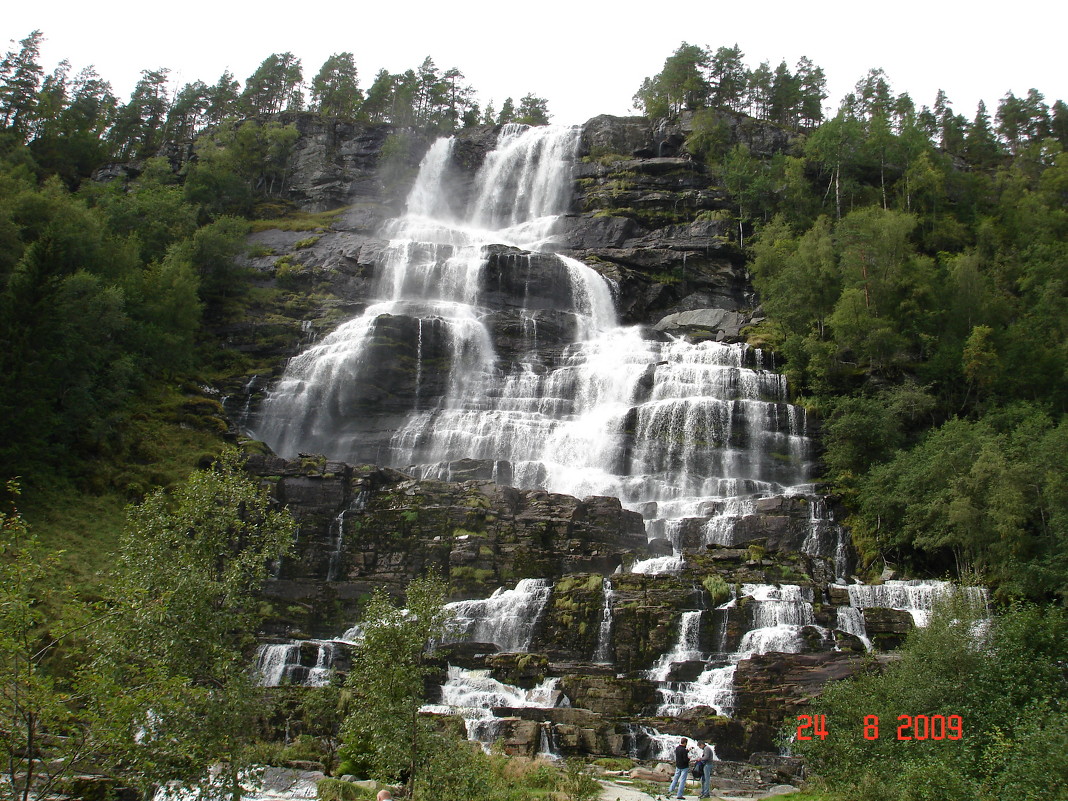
(910,727)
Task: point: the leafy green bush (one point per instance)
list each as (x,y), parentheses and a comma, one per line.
(718,589)
(1004,679)
(337,790)
(578,785)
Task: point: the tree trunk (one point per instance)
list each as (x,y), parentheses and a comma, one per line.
(838,191)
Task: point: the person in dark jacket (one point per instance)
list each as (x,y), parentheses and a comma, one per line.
(682,768)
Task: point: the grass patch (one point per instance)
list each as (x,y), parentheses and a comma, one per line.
(665,278)
(299,221)
(717,588)
(604,156)
(83,529)
(337,790)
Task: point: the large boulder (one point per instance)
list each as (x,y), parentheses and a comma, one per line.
(720,325)
(771,689)
(606,134)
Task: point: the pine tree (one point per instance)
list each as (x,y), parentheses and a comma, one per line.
(533,110)
(20,79)
(335,90)
(274,84)
(980,145)
(138,130)
(728,78)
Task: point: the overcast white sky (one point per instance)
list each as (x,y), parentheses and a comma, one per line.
(586,58)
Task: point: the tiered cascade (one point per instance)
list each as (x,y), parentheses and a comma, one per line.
(483,346)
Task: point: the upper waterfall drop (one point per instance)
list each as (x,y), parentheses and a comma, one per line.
(481,345)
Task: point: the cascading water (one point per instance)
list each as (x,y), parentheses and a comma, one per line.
(479,343)
(288,663)
(507,618)
(776,616)
(474,694)
(673,429)
(273,660)
(686,646)
(602,653)
(918,598)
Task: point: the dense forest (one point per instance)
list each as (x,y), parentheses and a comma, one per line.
(911,262)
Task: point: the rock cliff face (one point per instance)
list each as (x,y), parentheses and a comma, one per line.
(335,161)
(365,527)
(647,630)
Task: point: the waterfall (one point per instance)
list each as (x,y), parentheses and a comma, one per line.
(476,689)
(473,694)
(547,747)
(916,597)
(825,537)
(658,565)
(586,407)
(287,663)
(337,530)
(776,616)
(273,660)
(645,742)
(479,342)
(686,646)
(602,653)
(507,618)
(851,621)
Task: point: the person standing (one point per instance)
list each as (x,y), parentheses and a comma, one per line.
(682,769)
(707,755)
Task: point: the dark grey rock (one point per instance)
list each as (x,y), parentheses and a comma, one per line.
(624,135)
(719,324)
(588,231)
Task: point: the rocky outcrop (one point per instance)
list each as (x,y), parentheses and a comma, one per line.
(772,688)
(612,694)
(605,134)
(334,161)
(662,224)
(887,628)
(362,527)
(761,137)
(719,325)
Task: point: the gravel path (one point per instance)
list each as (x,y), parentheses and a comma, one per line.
(620,791)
